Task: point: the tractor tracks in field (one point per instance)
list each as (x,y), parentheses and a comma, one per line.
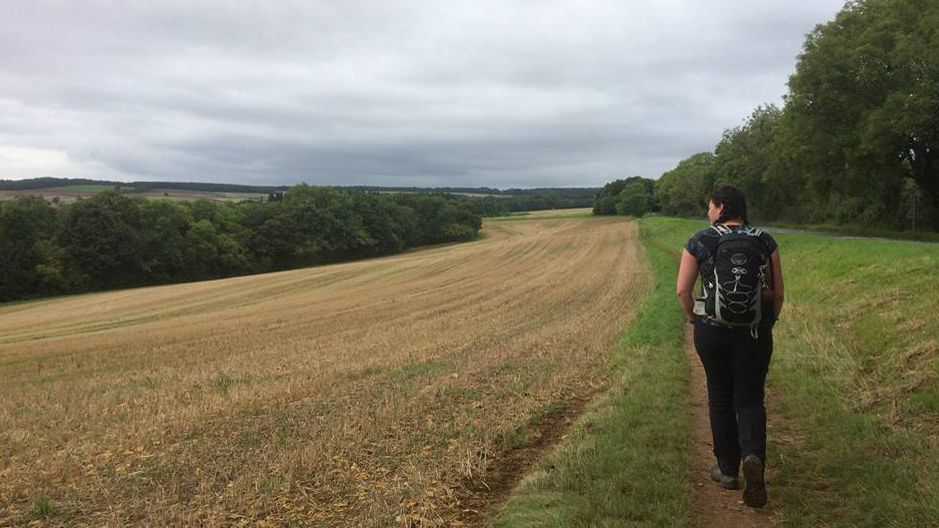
(479,496)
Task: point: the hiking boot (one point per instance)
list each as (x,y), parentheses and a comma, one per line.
(724,481)
(754,494)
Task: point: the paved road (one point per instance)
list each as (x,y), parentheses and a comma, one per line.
(839,235)
(832,234)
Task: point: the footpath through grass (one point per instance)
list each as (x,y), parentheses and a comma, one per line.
(625,463)
(856,366)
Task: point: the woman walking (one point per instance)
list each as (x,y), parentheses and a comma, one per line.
(741,297)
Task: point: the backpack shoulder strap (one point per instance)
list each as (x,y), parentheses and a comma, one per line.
(757,233)
(721,229)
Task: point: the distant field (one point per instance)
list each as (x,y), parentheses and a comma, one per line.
(73,192)
(470,194)
(82,188)
(366,394)
(182,195)
(547,214)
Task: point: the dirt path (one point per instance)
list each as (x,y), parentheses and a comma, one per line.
(713,506)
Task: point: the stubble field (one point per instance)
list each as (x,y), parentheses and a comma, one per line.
(372,393)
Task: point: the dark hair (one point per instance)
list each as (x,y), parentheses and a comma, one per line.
(734,202)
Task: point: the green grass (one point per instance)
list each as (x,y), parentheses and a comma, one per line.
(546,410)
(80,188)
(625,463)
(223,382)
(44,508)
(856,367)
(514,438)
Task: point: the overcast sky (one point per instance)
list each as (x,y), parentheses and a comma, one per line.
(530,93)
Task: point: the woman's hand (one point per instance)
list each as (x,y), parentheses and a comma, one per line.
(778,286)
(687,274)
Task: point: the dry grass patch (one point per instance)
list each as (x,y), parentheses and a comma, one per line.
(361,394)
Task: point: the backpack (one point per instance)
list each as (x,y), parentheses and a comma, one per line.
(732,294)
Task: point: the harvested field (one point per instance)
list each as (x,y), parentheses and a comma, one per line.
(372,393)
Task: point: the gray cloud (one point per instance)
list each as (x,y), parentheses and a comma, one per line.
(505,94)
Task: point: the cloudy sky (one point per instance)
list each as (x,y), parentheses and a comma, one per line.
(526,93)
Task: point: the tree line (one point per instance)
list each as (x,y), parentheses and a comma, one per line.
(857,139)
(501,206)
(114,241)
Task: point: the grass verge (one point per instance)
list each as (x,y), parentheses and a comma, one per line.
(856,366)
(625,463)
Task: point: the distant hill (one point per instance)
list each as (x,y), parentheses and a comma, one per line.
(134,187)
(560,192)
(57,183)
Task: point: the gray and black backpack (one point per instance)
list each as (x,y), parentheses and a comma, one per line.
(732,294)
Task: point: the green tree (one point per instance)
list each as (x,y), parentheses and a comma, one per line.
(163,228)
(441,218)
(386,223)
(745,158)
(606,201)
(102,238)
(492,206)
(55,274)
(27,224)
(634,200)
(862,111)
(209,254)
(683,190)
(457,220)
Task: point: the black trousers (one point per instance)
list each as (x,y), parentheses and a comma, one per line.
(736,366)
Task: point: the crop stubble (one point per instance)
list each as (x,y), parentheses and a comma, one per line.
(371,393)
